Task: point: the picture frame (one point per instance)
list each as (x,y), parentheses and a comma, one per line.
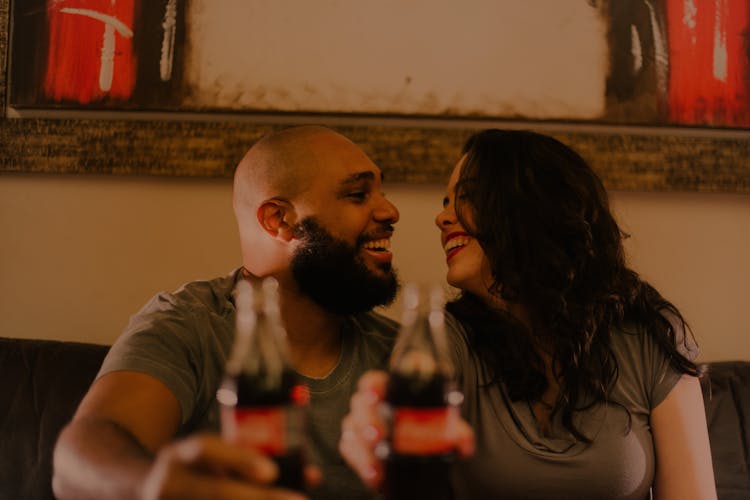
(409,149)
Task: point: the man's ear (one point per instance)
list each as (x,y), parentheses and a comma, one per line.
(277,217)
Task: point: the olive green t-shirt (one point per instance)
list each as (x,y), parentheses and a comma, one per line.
(514,459)
(183,339)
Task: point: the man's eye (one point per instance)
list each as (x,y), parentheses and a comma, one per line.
(359,195)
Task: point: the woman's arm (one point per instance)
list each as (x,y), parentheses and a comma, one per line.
(683,455)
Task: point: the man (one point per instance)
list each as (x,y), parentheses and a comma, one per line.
(311,214)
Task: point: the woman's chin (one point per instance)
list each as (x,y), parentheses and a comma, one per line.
(452,281)
(459,282)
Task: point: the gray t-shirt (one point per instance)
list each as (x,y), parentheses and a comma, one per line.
(514,459)
(183,339)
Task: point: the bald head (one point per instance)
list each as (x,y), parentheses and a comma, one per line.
(281,164)
(275,176)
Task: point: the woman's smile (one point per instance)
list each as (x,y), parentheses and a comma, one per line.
(454,243)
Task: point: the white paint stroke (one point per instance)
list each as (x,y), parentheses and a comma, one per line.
(169,25)
(720,56)
(111,23)
(121,27)
(107,69)
(661,51)
(636,49)
(690,12)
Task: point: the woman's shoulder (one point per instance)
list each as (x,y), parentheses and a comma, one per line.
(454,325)
(639,337)
(644,361)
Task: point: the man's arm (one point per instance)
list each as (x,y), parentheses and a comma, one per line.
(118,446)
(107,449)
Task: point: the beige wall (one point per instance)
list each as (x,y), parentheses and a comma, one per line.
(78,255)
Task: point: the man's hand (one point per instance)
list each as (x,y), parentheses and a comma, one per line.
(205,466)
(123,447)
(363,428)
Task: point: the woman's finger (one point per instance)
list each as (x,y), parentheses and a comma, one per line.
(359,453)
(373,381)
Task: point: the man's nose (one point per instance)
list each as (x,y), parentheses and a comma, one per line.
(386,211)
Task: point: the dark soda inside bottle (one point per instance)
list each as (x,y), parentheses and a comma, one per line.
(263,403)
(420,453)
(280,406)
(423,474)
(405,390)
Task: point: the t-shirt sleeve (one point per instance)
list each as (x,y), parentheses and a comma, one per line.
(159,342)
(662,374)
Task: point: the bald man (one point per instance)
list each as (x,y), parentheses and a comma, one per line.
(310,213)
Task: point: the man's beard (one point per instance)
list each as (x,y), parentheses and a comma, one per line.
(332,273)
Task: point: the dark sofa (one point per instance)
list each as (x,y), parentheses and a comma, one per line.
(43,381)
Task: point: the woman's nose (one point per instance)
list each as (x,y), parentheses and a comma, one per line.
(445,217)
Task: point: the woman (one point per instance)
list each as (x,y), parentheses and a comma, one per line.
(578,375)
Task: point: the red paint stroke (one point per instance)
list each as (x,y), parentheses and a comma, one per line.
(76,41)
(698,96)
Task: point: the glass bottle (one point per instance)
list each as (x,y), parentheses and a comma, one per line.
(263,404)
(420,450)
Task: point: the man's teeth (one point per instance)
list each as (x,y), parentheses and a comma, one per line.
(383,244)
(458,241)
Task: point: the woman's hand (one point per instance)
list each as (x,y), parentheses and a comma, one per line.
(364,428)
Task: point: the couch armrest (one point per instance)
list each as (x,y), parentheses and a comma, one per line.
(726,393)
(43,382)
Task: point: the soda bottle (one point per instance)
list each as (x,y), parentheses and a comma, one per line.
(262,402)
(420,397)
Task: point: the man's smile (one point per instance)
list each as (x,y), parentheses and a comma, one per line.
(378,249)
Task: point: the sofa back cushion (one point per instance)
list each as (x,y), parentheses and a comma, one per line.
(43,382)
(727,398)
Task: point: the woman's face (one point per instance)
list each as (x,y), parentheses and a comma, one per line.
(468,267)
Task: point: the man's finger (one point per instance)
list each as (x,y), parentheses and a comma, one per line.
(211,453)
(226,488)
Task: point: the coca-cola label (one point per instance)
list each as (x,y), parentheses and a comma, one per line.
(261,429)
(421,431)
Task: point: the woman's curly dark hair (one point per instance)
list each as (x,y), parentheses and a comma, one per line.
(542,217)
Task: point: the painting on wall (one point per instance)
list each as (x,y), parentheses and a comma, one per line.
(646,62)
(93,54)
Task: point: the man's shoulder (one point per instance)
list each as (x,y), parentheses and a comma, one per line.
(196,302)
(208,294)
(377,324)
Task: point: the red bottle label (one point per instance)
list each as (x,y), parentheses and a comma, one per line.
(257,428)
(422,431)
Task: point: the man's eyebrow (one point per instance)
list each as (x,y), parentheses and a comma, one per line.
(359,176)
